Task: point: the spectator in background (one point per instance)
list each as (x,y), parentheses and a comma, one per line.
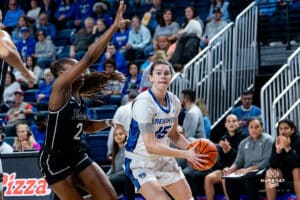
(246,111)
(114,87)
(193,121)
(164,44)
(4,146)
(45,50)
(190,12)
(167,27)
(206,121)
(139,38)
(132,82)
(65,14)
(37,71)
(213,28)
(120,38)
(285,159)
(43,94)
(84,37)
(100,10)
(112,53)
(83,10)
(227,148)
(45,25)
(12,15)
(38,128)
(223,5)
(122,117)
(187,45)
(49,7)
(116,173)
(152,16)
(16,33)
(25,140)
(34,12)
(149,54)
(11,86)
(99,28)
(253,154)
(267,25)
(26,44)
(17,113)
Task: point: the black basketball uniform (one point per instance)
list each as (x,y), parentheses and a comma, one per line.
(3,71)
(63,152)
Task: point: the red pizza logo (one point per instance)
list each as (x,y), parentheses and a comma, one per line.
(24,186)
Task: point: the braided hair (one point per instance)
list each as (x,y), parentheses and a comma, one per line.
(94,82)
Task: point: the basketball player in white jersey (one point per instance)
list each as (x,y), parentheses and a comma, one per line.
(149,160)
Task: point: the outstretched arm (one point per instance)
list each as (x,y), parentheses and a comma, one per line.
(94,51)
(10,54)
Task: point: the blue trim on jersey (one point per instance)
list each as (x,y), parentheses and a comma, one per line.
(159,105)
(134,133)
(129,174)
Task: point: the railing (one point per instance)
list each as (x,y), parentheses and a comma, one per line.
(283,102)
(276,87)
(225,68)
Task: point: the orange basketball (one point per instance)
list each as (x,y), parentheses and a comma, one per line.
(205,146)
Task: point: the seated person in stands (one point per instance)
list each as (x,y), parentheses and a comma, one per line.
(11,85)
(37,71)
(114,87)
(206,121)
(116,174)
(45,25)
(132,81)
(285,159)
(247,110)
(11,16)
(223,5)
(34,12)
(43,94)
(4,146)
(253,154)
(45,50)
(139,38)
(99,28)
(65,14)
(84,37)
(38,128)
(26,44)
(213,28)
(227,148)
(187,45)
(17,114)
(167,27)
(100,11)
(120,38)
(112,53)
(25,140)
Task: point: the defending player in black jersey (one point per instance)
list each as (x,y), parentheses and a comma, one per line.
(63,161)
(9,55)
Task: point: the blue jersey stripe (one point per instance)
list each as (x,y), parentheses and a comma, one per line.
(129,174)
(134,133)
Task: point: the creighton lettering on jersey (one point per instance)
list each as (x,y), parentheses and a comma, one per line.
(64,132)
(149,116)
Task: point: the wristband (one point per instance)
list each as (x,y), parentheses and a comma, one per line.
(108,123)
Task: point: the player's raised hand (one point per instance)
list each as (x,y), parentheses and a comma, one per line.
(119,16)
